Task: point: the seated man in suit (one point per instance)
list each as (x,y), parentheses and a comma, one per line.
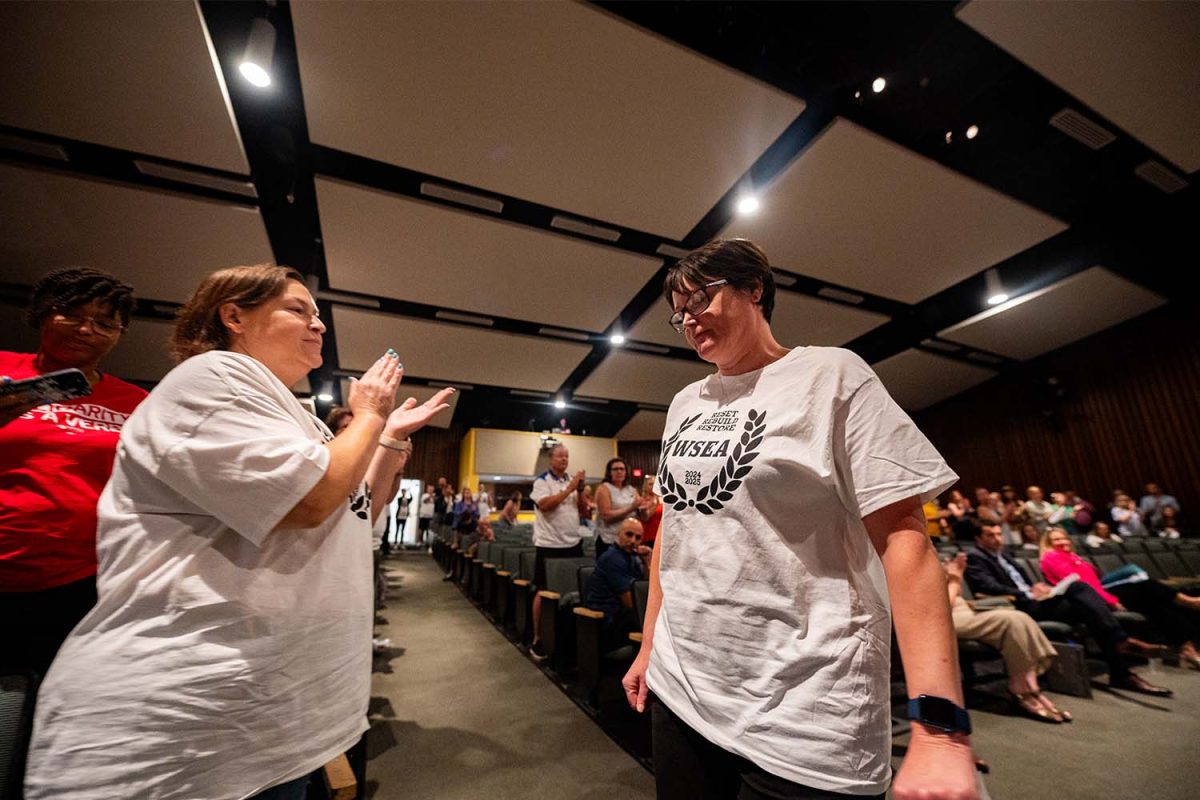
(610,589)
(990,571)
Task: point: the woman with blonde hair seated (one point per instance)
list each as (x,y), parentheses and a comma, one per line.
(1026,651)
(1177,614)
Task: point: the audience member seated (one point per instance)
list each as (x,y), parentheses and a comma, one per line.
(508,514)
(1014,507)
(1037,510)
(610,589)
(1084,514)
(960,516)
(992,572)
(1063,513)
(1177,614)
(1026,651)
(55,459)
(1153,502)
(1128,518)
(1029,536)
(1101,535)
(1166,528)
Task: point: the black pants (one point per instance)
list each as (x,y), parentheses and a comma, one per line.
(1081,604)
(33,625)
(1157,601)
(689,767)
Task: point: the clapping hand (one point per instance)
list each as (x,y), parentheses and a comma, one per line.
(375,391)
(410,416)
(577,481)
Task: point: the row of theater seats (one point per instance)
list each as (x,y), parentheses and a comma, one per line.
(499,579)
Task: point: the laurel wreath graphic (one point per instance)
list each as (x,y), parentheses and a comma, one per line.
(720,490)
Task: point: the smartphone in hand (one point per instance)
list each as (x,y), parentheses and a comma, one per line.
(53,387)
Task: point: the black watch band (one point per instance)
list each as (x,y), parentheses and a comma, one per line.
(939,713)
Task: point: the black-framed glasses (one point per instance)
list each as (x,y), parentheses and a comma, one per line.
(695,304)
(100,325)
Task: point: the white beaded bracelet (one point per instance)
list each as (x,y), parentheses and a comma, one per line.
(395,444)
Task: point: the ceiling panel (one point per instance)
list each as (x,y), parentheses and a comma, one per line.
(422,394)
(393,246)
(558,103)
(141,355)
(1134,62)
(161,243)
(861,211)
(644,426)
(136,76)
(917,379)
(1075,307)
(797,320)
(642,378)
(459,353)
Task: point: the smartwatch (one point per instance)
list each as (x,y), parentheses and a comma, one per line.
(939,713)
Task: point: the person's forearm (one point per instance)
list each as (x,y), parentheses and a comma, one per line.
(921,615)
(653,600)
(383,477)
(349,455)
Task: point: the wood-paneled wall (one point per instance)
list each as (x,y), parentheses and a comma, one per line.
(435,453)
(640,455)
(1123,409)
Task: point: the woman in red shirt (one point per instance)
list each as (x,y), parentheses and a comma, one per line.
(652,505)
(1176,613)
(54,461)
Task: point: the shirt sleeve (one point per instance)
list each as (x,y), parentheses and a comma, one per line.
(247,463)
(888,458)
(541,490)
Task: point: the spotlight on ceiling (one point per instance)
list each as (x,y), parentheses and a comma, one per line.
(748,204)
(256,61)
(617,339)
(995,290)
(949,137)
(878,85)
(972,131)
(560,403)
(497,478)
(325,397)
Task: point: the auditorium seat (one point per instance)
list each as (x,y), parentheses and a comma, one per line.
(523,591)
(559,596)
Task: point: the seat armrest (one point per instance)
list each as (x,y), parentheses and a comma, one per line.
(503,573)
(548,595)
(635,636)
(339,779)
(587,612)
(520,582)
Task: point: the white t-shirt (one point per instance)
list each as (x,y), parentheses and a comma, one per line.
(619,498)
(773,640)
(560,527)
(222,657)
(426,508)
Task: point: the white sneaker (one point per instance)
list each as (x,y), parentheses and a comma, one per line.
(380,643)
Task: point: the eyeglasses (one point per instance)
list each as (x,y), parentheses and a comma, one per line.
(100,326)
(695,304)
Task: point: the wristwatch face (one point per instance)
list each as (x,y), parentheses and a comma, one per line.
(938,712)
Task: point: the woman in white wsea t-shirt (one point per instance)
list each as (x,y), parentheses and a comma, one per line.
(792,487)
(227,654)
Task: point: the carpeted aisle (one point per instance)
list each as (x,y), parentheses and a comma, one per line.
(458,713)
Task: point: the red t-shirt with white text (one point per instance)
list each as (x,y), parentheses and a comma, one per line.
(54,462)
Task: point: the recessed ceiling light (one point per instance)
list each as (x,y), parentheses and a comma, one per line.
(995,290)
(949,137)
(997,299)
(325,397)
(560,403)
(255,74)
(972,131)
(878,85)
(617,338)
(748,204)
(497,477)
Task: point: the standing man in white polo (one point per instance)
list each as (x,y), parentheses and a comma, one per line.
(557,500)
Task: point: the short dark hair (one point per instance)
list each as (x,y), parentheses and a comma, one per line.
(335,416)
(71,287)
(740,262)
(198,325)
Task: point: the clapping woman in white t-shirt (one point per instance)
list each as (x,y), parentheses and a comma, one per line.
(792,487)
(616,501)
(224,657)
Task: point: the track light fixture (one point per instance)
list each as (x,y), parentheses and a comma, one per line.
(995,290)
(255,65)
